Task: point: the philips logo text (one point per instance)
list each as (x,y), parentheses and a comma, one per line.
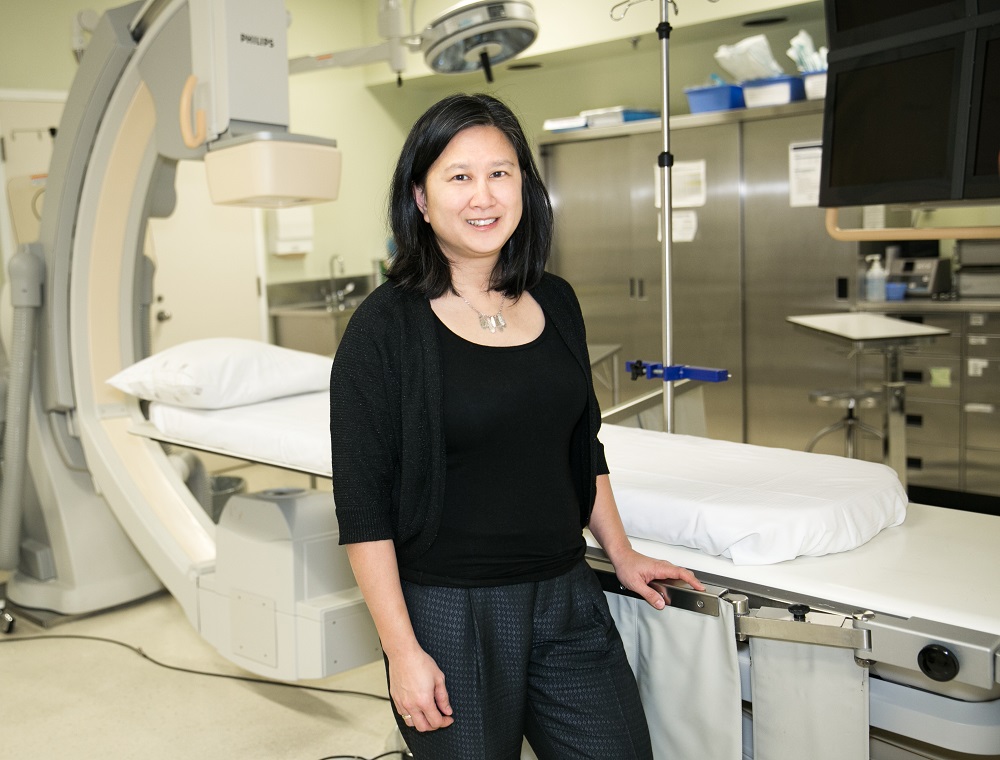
(252,39)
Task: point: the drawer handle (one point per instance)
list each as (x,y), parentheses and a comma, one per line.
(914,420)
(914,463)
(913,376)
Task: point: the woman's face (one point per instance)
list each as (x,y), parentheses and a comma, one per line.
(472,195)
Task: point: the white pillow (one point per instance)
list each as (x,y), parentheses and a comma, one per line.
(216,373)
(756,505)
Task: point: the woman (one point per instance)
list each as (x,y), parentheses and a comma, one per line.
(466,463)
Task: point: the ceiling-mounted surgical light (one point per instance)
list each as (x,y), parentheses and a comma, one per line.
(468,36)
(474,35)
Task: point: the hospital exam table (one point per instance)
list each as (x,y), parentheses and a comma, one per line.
(914,603)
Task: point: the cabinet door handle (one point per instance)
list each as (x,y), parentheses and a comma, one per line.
(631,287)
(642,289)
(842,289)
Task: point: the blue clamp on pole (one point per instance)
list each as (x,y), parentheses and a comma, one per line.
(674,372)
(701,374)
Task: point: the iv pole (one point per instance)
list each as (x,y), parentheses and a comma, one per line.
(668,370)
(665,161)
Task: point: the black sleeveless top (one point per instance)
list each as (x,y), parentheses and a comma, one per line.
(511,513)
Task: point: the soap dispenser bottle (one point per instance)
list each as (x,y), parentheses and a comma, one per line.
(874,279)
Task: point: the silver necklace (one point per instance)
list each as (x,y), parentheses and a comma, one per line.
(491,322)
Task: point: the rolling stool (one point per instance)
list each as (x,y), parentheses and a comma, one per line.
(848,400)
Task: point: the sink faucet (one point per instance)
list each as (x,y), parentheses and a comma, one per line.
(342,294)
(336,266)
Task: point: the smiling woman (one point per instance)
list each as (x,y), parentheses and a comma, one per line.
(424,266)
(466,461)
(471,197)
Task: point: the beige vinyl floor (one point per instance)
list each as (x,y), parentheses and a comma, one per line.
(77,689)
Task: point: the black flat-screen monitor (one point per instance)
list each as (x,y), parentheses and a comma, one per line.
(891,121)
(913,117)
(983,156)
(851,22)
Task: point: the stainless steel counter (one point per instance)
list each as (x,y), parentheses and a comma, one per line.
(930,306)
(313,327)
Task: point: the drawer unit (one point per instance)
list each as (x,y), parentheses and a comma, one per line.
(932,378)
(987,323)
(982,471)
(982,403)
(982,426)
(947,345)
(933,422)
(982,346)
(952,401)
(982,380)
(932,466)
(982,336)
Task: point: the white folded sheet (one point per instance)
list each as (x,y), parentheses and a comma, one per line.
(753,504)
(292,432)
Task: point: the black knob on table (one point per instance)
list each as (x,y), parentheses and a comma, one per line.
(937,662)
(799,612)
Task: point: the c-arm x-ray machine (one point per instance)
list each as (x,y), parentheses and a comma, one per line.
(92,516)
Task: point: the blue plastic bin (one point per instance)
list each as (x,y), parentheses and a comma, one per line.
(716,97)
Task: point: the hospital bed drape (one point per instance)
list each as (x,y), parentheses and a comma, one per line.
(688,673)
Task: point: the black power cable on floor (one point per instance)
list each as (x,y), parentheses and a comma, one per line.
(228,676)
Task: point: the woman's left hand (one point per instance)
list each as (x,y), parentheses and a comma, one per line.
(635,571)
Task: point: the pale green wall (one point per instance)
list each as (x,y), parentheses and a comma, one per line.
(335,103)
(35,42)
(35,54)
(616,73)
(569,25)
(369,116)
(370,121)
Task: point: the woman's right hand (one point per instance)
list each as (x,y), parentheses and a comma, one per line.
(416,683)
(418,691)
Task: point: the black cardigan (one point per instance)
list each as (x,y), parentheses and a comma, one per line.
(386,417)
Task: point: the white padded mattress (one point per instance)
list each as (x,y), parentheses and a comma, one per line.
(752,504)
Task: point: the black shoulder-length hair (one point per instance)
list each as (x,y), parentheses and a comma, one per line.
(418,263)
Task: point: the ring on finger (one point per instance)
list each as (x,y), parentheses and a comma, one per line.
(406,716)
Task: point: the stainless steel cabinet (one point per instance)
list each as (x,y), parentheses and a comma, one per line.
(606,244)
(707,274)
(745,258)
(792,267)
(605,241)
